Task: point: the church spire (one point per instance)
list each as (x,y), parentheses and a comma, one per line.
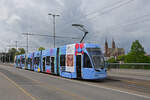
(113,44)
(106,44)
(106,47)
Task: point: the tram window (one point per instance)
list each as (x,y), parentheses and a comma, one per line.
(48,60)
(23,60)
(35,60)
(63,60)
(18,60)
(38,60)
(30,61)
(87,62)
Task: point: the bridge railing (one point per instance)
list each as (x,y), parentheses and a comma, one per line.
(129,66)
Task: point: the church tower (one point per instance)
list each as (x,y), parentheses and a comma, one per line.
(106,47)
(113,44)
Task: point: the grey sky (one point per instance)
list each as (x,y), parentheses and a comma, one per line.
(122,20)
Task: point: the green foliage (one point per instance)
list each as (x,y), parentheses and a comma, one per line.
(12,53)
(137,48)
(137,54)
(112,60)
(20,51)
(41,48)
(121,58)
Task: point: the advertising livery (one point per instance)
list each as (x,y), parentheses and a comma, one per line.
(80,60)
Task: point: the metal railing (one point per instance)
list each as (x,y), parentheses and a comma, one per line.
(129,65)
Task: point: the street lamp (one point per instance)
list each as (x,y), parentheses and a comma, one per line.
(53,15)
(81,27)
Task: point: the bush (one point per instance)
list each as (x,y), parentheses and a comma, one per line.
(112,60)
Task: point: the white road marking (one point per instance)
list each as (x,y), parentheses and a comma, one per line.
(103,87)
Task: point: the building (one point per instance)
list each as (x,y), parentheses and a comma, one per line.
(113,52)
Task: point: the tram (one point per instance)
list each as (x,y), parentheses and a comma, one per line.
(77,61)
(29,62)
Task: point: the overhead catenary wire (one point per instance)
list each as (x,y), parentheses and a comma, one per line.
(113,7)
(88,14)
(44,35)
(131,22)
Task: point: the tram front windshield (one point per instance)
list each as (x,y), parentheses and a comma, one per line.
(97,58)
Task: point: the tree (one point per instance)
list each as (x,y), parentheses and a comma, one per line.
(12,53)
(20,51)
(137,54)
(137,48)
(112,60)
(41,48)
(121,58)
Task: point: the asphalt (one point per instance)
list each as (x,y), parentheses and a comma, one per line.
(9,91)
(19,84)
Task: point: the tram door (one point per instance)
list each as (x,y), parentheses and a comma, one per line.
(31,64)
(52,64)
(44,64)
(57,59)
(26,63)
(78,66)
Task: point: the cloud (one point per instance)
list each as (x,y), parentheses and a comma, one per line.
(103,18)
(12,19)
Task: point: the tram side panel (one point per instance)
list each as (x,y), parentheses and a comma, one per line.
(23,61)
(67,61)
(53,61)
(93,63)
(49,61)
(80,60)
(77,62)
(37,61)
(29,61)
(19,57)
(16,61)
(45,61)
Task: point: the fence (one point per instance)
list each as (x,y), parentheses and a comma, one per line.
(129,65)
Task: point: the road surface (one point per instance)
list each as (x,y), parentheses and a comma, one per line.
(19,84)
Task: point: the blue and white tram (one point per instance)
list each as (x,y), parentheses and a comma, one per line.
(80,60)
